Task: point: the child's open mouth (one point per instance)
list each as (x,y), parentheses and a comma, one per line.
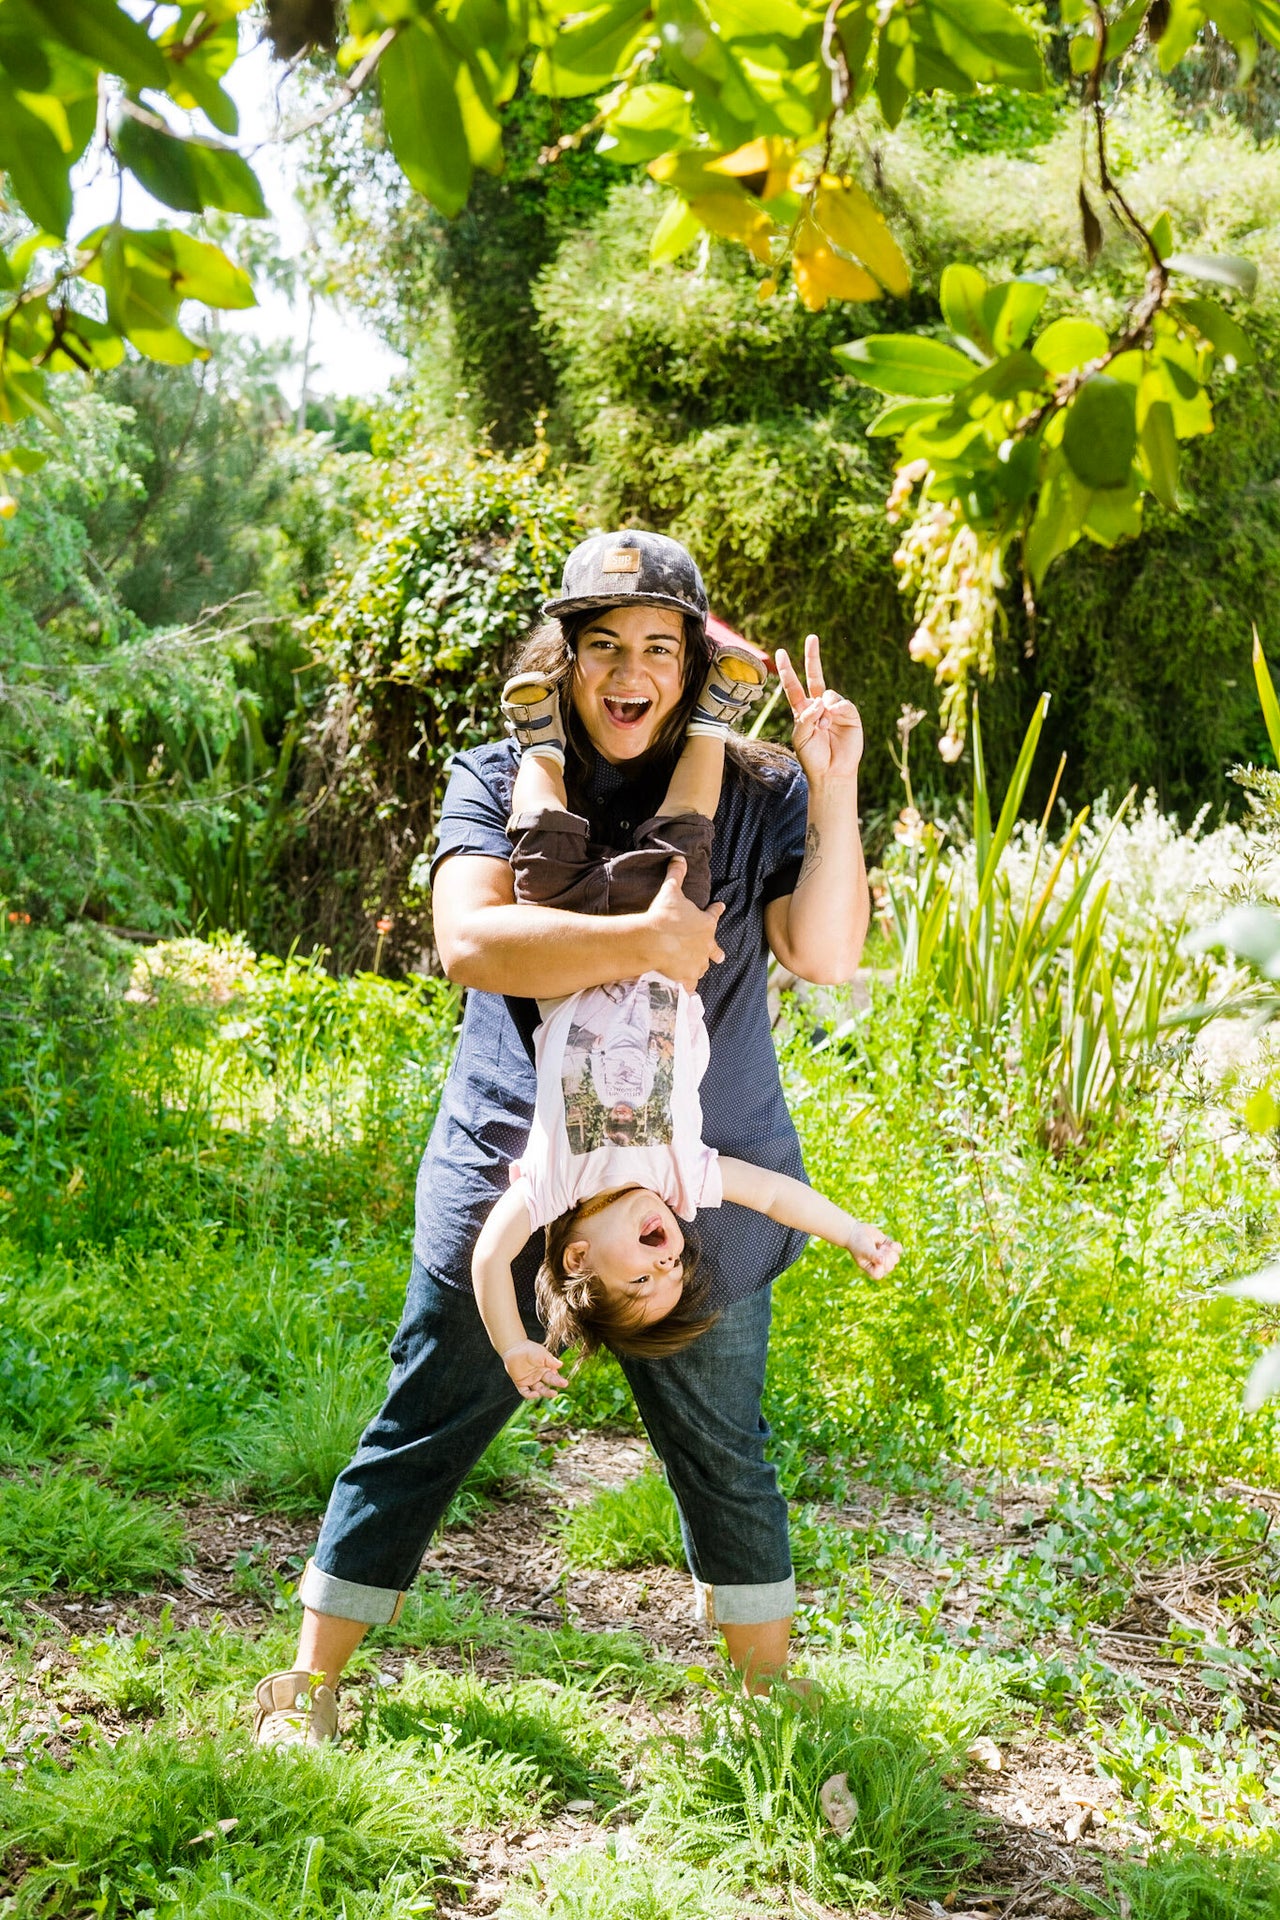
(653,1233)
(626,709)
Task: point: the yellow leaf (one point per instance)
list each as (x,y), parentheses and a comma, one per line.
(763,166)
(822,275)
(732,215)
(1261,1114)
(849,219)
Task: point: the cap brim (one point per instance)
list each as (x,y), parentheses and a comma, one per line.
(584,603)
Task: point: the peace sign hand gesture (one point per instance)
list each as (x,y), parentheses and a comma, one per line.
(827,735)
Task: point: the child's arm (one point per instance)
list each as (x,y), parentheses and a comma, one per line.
(534,1370)
(792,1204)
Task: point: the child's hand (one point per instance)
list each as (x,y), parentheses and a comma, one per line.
(873,1250)
(534,1370)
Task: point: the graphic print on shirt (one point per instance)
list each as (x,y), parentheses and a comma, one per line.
(618,1066)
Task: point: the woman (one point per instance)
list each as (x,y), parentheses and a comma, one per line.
(628,644)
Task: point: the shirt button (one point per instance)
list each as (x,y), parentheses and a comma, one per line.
(625,825)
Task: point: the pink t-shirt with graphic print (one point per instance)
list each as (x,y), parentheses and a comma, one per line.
(619,1068)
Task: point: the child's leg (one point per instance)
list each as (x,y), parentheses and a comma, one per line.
(539,786)
(695,782)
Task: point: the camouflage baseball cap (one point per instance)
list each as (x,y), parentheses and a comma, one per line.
(611,568)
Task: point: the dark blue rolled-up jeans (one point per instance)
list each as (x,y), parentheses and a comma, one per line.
(449,1395)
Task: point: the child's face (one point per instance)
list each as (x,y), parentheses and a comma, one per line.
(628,676)
(635,1246)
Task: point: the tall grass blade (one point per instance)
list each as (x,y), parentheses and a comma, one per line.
(1267,696)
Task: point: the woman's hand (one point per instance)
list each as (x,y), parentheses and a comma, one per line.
(535,1371)
(827,735)
(682,937)
(873,1250)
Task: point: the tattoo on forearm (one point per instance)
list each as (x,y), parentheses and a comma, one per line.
(812,855)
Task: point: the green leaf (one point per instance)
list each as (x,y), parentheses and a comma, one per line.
(1067,344)
(651,120)
(162,163)
(1261,1113)
(24,60)
(894,63)
(1184,22)
(22,459)
(961,291)
(906,363)
(1115,513)
(675,232)
(1124,30)
(1082,54)
(1222,269)
(188,175)
(987,41)
(424,120)
(1228,340)
(1010,311)
(105,34)
(589,54)
(38,169)
(1267,696)
(1161,231)
(1013,374)
(899,415)
(199,58)
(1159,446)
(1101,432)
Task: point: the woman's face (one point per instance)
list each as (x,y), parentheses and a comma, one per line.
(628,677)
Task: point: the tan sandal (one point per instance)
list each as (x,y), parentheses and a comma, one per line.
(294,1710)
(735,681)
(531,709)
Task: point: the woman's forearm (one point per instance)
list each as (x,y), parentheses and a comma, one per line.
(485,940)
(821,928)
(542,953)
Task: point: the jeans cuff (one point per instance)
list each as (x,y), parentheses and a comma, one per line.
(721,1606)
(346,1600)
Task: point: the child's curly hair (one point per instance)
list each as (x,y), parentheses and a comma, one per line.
(576,1309)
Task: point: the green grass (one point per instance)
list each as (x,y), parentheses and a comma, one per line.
(745,1795)
(612,1886)
(291,1449)
(438,1614)
(120,1832)
(1185,1884)
(634,1525)
(62,1529)
(572,1748)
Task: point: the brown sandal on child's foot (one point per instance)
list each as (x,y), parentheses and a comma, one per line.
(531,709)
(735,681)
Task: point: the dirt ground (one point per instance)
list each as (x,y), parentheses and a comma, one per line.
(1047,1806)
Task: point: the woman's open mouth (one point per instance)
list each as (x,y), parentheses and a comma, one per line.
(626,709)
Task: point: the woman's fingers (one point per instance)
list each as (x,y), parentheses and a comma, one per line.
(797,698)
(813,666)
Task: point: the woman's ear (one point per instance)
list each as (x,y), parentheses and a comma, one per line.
(574,1257)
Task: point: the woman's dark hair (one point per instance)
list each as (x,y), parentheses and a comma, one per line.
(552,649)
(578,1311)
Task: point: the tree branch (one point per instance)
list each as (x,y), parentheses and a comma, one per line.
(354,84)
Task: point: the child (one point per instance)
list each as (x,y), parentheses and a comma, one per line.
(615,1157)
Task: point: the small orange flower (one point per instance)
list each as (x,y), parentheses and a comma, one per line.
(19,919)
(385,924)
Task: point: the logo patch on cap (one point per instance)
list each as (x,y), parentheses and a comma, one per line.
(621,560)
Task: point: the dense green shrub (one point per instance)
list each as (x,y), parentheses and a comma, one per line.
(690,406)
(414,640)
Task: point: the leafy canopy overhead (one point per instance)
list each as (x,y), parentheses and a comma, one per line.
(1017,441)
